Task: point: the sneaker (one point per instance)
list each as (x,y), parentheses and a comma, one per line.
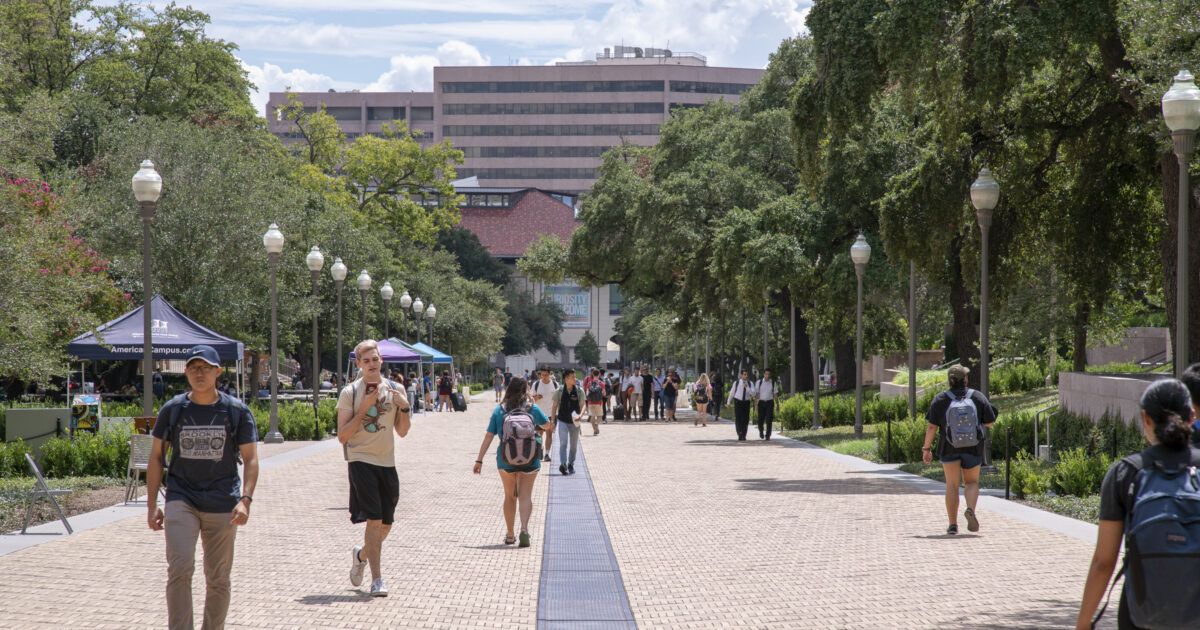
(357,564)
(378,588)
(562,469)
(952,530)
(546,458)
(571,469)
(524,540)
(972,522)
(604,422)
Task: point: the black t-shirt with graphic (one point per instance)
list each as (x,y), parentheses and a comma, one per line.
(203,468)
(984,410)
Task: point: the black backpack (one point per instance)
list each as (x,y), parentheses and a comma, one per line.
(595,393)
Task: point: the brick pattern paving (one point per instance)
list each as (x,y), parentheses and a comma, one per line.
(712,533)
(445,564)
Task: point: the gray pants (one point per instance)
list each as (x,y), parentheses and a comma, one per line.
(183,523)
(572,436)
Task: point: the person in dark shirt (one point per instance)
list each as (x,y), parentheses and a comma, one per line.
(1191,380)
(1166,422)
(961,461)
(647,391)
(206,431)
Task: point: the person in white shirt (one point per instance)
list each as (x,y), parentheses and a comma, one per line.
(542,393)
(766,392)
(635,381)
(740,396)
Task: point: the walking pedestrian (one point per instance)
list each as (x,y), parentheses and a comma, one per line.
(672,385)
(647,391)
(614,392)
(718,393)
(542,394)
(702,395)
(498,383)
(507,378)
(594,389)
(959,415)
(1191,380)
(658,402)
(1147,498)
(568,401)
(369,410)
(740,396)
(631,385)
(517,457)
(207,431)
(766,393)
(445,388)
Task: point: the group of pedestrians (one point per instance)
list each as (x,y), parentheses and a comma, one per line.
(764,393)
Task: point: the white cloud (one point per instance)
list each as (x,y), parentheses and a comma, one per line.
(271,78)
(415,72)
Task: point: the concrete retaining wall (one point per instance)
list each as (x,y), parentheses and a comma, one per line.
(1092,394)
(1138,344)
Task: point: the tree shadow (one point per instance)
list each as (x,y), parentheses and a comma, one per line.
(828,486)
(948,536)
(733,441)
(1038,614)
(325,600)
(489,547)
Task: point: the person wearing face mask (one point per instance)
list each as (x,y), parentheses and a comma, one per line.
(740,396)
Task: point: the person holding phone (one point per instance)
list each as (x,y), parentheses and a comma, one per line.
(369,410)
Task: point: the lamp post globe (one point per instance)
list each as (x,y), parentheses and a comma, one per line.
(985,194)
(387,292)
(147,185)
(405,303)
(860,255)
(418,306)
(364,285)
(431,313)
(338,272)
(273,242)
(1181,112)
(315,262)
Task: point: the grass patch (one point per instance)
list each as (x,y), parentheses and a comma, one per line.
(1030,401)
(14,490)
(1086,509)
(925,378)
(841,440)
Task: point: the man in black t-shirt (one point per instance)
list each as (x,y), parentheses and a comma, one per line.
(961,461)
(206,431)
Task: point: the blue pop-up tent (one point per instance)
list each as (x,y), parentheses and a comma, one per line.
(437,355)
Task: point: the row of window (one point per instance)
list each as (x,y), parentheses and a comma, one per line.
(709,87)
(549,130)
(528,173)
(374,113)
(545,109)
(491,200)
(532,152)
(486,87)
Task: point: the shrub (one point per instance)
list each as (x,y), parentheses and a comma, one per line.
(104,454)
(1078,473)
(12,459)
(908,436)
(1014,378)
(1028,477)
(296,419)
(795,412)
(1021,425)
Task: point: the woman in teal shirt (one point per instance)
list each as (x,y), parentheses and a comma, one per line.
(518,481)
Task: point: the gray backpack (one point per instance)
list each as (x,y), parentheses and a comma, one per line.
(962,422)
(518,438)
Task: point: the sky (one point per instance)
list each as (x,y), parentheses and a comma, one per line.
(393,45)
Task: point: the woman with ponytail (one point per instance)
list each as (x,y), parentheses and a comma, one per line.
(1166,421)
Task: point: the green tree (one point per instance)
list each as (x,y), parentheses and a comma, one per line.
(474,260)
(532,325)
(587,351)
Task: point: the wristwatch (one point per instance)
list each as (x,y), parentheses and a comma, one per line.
(405,410)
(247,498)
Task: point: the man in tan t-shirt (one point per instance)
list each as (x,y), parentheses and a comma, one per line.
(369,409)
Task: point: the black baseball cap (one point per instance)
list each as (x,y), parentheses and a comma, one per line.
(204,353)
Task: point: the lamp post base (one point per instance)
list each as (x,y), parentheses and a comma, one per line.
(274,437)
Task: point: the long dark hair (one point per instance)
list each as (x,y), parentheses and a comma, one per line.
(514,396)
(1170,407)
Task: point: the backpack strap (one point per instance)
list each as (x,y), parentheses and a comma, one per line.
(174,407)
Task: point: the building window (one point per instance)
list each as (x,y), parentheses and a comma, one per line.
(545,109)
(549,130)
(566,200)
(527,173)
(484,87)
(615,300)
(422,113)
(675,106)
(533,152)
(708,87)
(486,200)
(385,113)
(339,113)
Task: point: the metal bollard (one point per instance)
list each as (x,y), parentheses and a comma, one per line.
(1007,461)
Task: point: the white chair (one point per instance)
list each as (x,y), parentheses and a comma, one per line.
(139,463)
(43,491)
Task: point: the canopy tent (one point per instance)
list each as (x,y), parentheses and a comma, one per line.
(172,335)
(393,352)
(425,356)
(436,355)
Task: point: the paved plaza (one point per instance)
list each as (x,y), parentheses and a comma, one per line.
(703,532)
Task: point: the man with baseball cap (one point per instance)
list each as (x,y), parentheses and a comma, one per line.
(206,431)
(959,415)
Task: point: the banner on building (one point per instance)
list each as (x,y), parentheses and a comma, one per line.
(575,302)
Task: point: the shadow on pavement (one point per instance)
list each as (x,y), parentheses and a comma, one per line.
(1043,613)
(948,536)
(325,600)
(828,486)
(488,547)
(733,441)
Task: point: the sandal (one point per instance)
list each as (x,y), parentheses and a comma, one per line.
(510,539)
(524,539)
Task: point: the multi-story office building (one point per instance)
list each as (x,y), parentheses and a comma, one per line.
(533,137)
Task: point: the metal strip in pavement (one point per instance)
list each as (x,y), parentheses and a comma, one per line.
(53,530)
(987,500)
(580,586)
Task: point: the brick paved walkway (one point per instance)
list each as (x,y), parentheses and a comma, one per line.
(708,533)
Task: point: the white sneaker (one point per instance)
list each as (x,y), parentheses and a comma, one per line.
(356,566)
(378,588)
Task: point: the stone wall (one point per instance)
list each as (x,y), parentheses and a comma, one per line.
(1092,394)
(1138,344)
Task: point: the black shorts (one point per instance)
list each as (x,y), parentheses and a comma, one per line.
(374,492)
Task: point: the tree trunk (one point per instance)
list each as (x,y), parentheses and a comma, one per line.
(1083,314)
(1170,186)
(847,371)
(802,349)
(255,383)
(966,322)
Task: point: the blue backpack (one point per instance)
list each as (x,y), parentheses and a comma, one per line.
(962,421)
(1162,548)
